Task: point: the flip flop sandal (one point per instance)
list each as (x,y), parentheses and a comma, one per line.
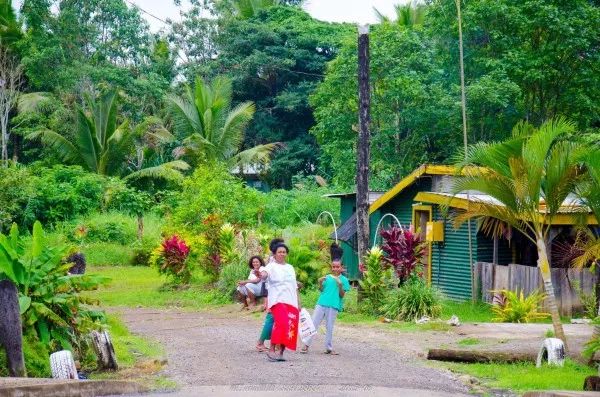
(261,349)
(271,358)
(280,358)
(334,353)
(304,350)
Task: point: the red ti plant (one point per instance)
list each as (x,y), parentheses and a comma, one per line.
(404,251)
(174,259)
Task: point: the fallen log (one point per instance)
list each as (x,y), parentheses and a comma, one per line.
(470,356)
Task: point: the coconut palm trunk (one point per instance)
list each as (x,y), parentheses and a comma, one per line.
(544,265)
(140,228)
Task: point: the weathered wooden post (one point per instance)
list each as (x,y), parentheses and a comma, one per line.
(11,336)
(362,150)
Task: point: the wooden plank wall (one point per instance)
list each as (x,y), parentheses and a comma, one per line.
(490,278)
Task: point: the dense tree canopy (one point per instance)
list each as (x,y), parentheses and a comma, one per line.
(530,59)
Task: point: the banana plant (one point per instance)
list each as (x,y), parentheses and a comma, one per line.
(49,298)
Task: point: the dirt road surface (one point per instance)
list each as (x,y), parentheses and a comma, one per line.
(212,353)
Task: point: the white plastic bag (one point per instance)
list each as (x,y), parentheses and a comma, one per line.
(307,327)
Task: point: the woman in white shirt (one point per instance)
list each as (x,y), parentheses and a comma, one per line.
(284,302)
(252,288)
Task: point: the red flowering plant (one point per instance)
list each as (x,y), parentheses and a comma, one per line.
(404,251)
(171,259)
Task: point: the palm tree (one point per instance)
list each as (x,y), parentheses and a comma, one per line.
(588,242)
(530,176)
(248,8)
(100,145)
(10,28)
(214,131)
(408,15)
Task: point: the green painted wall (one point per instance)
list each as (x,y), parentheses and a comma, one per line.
(485,250)
(450,270)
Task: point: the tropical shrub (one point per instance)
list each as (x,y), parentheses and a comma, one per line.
(141,253)
(49,298)
(16,189)
(211,257)
(63,193)
(413,300)
(230,274)
(307,263)
(514,307)
(108,230)
(171,259)
(404,251)
(593,345)
(213,191)
(375,282)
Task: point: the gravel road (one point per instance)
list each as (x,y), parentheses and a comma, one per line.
(213,353)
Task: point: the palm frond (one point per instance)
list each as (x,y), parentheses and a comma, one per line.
(171,171)
(87,141)
(258,155)
(232,133)
(184,115)
(66,151)
(381,18)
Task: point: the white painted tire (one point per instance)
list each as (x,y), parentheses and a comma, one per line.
(107,358)
(553,351)
(63,365)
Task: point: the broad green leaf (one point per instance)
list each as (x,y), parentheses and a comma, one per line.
(38,240)
(24,304)
(14,236)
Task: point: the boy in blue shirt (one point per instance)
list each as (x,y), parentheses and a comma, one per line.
(333,287)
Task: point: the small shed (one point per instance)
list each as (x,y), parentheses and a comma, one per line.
(423,198)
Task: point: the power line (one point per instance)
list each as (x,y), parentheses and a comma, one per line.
(146,12)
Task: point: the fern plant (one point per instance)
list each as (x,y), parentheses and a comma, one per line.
(514,307)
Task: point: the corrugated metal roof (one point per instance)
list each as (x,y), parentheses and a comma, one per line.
(572,203)
(373,196)
(347,230)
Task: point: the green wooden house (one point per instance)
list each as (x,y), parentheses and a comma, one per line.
(420,199)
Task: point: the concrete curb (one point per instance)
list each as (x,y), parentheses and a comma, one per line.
(69,388)
(559,393)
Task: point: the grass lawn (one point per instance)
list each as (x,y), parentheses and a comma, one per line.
(525,376)
(141,286)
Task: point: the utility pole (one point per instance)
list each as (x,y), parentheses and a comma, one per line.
(463,102)
(362,149)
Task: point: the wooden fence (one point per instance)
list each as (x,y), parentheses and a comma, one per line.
(490,277)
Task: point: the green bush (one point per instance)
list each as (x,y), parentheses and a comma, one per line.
(413,300)
(141,253)
(212,191)
(16,189)
(230,275)
(515,307)
(63,193)
(37,358)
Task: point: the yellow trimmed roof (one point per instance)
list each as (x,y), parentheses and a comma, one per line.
(425,169)
(564,217)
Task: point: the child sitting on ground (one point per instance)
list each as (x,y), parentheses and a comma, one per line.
(333,287)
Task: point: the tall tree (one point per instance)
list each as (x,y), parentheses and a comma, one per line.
(276,59)
(529,176)
(547,48)
(211,129)
(10,85)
